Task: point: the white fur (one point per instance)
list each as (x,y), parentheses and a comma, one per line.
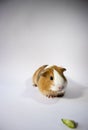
(58,82)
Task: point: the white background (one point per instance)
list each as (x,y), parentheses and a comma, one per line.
(33,34)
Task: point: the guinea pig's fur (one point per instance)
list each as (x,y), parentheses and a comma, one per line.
(50,80)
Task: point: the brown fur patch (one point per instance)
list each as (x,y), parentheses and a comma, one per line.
(44,82)
(37,73)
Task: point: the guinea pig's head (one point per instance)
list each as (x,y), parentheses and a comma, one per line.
(53,79)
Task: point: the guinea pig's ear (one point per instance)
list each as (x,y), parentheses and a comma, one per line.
(44,73)
(61,69)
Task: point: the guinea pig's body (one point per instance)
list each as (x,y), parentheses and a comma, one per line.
(50,80)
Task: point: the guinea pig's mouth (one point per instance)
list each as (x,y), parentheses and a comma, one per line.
(58,88)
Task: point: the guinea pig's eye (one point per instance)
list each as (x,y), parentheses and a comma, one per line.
(51,77)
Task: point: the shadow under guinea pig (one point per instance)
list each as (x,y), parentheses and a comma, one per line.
(73,91)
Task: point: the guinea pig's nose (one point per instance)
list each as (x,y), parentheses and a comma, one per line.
(61,87)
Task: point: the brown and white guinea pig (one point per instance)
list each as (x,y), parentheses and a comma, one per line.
(50,80)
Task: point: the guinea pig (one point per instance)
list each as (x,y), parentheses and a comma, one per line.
(50,80)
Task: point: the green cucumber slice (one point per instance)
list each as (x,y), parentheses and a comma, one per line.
(69,123)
